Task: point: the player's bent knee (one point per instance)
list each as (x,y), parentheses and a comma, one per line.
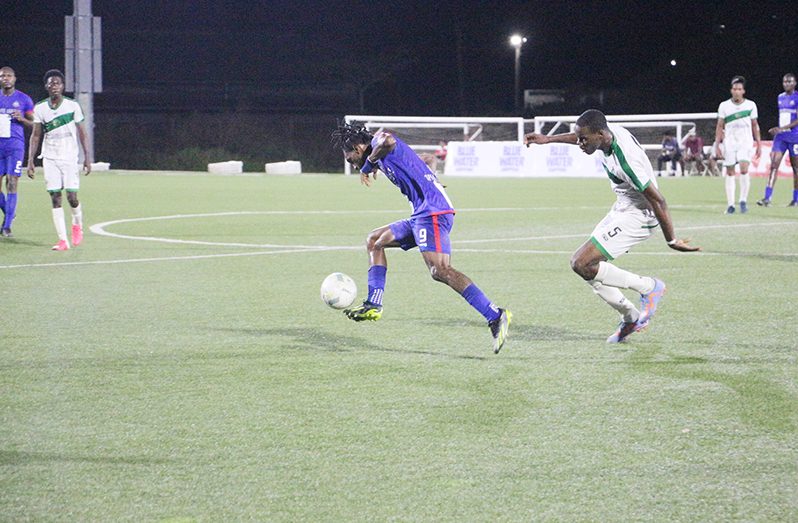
(373,240)
(439,273)
(582,267)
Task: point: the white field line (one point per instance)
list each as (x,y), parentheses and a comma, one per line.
(99,229)
(174,258)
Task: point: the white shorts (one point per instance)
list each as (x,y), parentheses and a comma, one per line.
(734,153)
(620,231)
(59,174)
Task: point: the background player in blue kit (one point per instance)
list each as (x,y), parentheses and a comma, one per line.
(785,138)
(16,112)
(427,228)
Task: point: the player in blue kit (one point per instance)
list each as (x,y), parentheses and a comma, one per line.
(785,138)
(16,113)
(427,228)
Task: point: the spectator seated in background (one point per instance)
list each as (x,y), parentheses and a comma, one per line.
(714,154)
(694,156)
(670,154)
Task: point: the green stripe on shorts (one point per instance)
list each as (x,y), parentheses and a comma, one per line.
(601,248)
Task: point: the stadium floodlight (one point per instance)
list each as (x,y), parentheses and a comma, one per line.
(517,41)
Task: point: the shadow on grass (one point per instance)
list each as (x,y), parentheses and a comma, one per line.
(518,331)
(786,258)
(320,340)
(757,400)
(22,241)
(18,458)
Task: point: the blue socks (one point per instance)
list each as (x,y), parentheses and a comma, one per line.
(10,207)
(3,202)
(376,283)
(768,192)
(477,299)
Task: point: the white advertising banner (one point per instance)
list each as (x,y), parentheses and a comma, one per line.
(761,166)
(512,159)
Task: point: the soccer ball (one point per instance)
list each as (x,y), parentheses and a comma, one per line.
(338,290)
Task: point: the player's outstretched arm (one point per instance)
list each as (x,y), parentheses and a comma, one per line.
(660,207)
(542,139)
(773,131)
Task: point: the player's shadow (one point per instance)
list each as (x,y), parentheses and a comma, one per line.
(320,340)
(788,258)
(22,241)
(19,458)
(518,331)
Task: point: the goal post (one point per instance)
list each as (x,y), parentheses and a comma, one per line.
(493,146)
(423,133)
(649,126)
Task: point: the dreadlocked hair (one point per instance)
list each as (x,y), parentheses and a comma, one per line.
(349,135)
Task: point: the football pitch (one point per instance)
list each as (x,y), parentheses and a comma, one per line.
(180,365)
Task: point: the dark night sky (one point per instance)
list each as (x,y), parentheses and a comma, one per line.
(407,50)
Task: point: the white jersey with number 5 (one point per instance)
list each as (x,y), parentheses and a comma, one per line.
(737,118)
(629,170)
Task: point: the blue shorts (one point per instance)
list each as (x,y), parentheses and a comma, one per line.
(786,141)
(428,233)
(11,161)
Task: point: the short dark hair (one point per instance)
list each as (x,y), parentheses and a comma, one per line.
(738,80)
(791,75)
(594,119)
(348,135)
(54,72)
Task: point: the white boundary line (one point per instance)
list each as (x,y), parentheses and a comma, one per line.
(99,229)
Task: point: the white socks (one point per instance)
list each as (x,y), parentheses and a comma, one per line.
(609,274)
(77,215)
(745,186)
(608,284)
(58,221)
(730,186)
(615,299)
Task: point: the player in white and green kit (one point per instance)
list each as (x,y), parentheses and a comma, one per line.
(61,119)
(737,130)
(639,209)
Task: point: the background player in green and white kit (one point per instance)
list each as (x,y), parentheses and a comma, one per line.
(737,129)
(639,209)
(61,119)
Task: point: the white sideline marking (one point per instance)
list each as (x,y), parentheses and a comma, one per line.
(172,258)
(99,229)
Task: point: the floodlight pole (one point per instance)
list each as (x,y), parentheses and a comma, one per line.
(517,41)
(83,62)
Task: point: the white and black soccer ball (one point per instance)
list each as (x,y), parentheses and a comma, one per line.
(338,290)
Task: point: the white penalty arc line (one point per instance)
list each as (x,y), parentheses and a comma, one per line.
(294,249)
(100,228)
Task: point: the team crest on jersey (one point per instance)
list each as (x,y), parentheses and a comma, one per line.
(15,104)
